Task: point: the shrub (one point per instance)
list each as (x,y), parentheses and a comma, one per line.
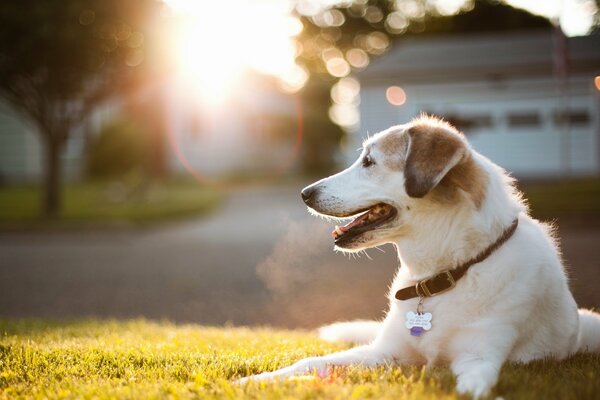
(120,148)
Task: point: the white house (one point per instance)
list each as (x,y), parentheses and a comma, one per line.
(528,101)
(21,151)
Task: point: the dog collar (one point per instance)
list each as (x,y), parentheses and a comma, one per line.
(446,280)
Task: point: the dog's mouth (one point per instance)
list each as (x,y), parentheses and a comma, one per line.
(367,220)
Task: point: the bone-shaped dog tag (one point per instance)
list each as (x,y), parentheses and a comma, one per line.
(417,322)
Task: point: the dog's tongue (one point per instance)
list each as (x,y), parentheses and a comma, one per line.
(340,230)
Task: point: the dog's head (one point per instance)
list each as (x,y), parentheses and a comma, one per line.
(399,175)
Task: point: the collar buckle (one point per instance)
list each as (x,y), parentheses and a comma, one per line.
(441,283)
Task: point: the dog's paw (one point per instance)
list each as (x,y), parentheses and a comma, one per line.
(308,366)
(472,385)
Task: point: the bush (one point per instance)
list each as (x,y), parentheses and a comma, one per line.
(320,144)
(321,147)
(118,149)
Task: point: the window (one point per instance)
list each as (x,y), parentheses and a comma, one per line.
(469,123)
(572,117)
(524,120)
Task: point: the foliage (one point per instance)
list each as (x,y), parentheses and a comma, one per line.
(60,60)
(371,26)
(321,141)
(142,359)
(119,148)
(132,200)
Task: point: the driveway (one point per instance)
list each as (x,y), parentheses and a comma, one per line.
(260,259)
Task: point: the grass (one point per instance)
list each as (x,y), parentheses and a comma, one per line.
(578,198)
(142,359)
(109,203)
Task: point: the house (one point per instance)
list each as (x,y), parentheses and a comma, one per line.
(22,153)
(529,101)
(19,147)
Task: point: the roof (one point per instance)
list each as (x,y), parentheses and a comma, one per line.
(462,57)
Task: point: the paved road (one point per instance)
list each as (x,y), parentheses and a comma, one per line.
(261,259)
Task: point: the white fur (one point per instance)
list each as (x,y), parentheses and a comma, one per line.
(361,332)
(515,305)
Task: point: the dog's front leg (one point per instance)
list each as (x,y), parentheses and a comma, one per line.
(478,358)
(367,356)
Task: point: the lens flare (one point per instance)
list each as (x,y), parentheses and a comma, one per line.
(395,95)
(276,173)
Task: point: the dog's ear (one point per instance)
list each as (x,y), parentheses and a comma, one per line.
(433,151)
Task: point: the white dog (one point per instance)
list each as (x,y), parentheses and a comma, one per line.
(481,281)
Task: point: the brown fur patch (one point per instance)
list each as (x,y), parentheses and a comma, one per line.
(394,147)
(468,177)
(434,144)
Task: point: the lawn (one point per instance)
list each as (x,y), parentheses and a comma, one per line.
(109,203)
(576,198)
(142,359)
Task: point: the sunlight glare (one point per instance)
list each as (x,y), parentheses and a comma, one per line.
(216,42)
(576,16)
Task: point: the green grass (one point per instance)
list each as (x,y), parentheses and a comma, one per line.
(142,359)
(578,198)
(104,203)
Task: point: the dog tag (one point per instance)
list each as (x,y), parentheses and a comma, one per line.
(417,322)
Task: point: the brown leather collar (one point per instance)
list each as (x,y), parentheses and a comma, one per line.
(446,280)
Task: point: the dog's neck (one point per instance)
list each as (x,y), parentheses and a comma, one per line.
(452,245)
(445,237)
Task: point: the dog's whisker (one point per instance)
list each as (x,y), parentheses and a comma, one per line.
(367,254)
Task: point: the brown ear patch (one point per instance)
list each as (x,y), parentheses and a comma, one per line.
(466,176)
(435,147)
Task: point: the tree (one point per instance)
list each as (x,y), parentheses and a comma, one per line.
(60,59)
(356,31)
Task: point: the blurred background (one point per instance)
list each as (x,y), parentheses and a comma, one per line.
(152,151)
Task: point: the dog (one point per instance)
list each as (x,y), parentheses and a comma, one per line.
(481,282)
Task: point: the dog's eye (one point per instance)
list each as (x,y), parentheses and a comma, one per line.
(367,161)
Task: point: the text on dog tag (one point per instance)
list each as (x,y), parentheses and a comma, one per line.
(417,322)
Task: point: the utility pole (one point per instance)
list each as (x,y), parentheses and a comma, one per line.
(561,74)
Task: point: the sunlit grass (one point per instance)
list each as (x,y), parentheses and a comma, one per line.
(110,203)
(141,359)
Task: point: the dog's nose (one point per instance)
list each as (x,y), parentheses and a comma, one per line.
(308,194)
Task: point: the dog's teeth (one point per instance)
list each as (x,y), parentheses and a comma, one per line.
(338,231)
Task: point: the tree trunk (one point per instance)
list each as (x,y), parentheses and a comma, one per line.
(52,179)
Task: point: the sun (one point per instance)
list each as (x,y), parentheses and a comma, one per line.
(216,42)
